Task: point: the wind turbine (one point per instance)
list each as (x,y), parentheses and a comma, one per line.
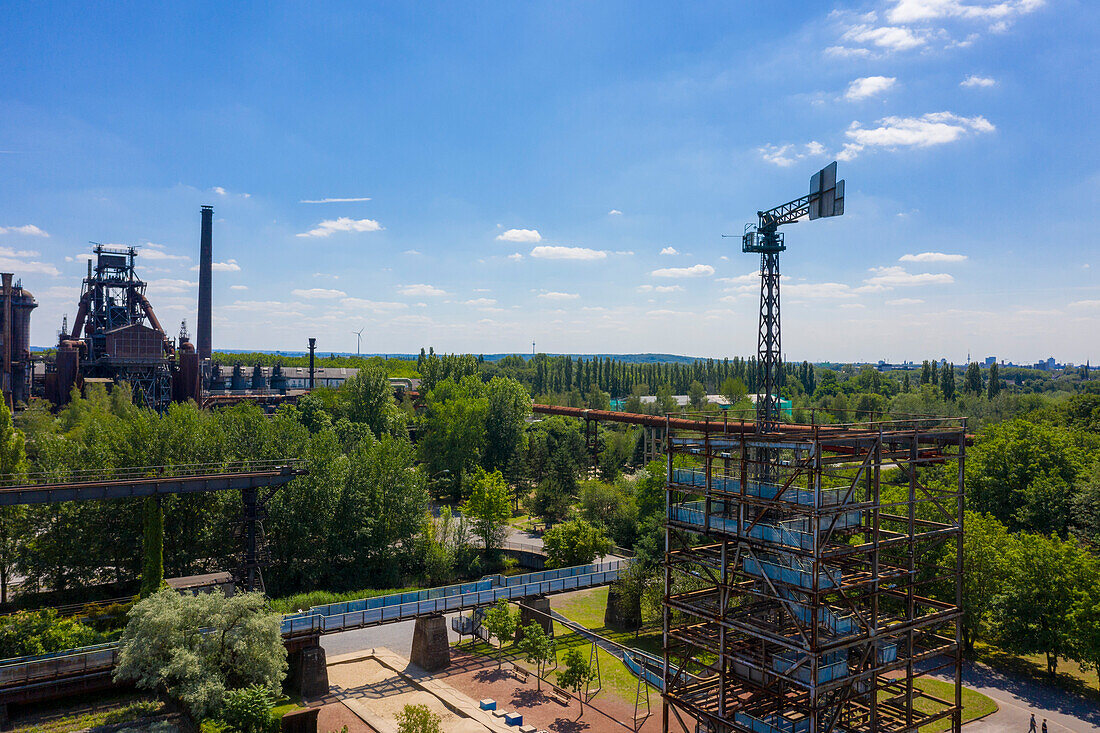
(358,340)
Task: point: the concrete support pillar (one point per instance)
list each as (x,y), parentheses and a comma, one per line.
(431,651)
(535,609)
(308,673)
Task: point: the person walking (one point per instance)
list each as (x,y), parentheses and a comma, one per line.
(1044,725)
(1033,728)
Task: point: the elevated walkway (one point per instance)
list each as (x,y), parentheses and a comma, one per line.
(29,679)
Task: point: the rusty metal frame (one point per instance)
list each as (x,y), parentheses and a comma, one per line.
(831,629)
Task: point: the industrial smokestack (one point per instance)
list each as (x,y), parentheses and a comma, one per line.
(312,350)
(206,261)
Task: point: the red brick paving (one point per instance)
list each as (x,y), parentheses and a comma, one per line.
(478,677)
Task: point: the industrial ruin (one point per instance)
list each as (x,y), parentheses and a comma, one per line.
(797,576)
(15,332)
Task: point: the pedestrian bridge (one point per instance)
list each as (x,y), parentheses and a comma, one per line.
(28,679)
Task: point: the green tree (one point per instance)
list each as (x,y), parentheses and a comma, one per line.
(501,623)
(947,382)
(697,395)
(1086,621)
(379,514)
(575,542)
(455,432)
(993,387)
(152,569)
(505,421)
(733,389)
(1023,473)
(972,381)
(1033,612)
(489,508)
(1086,505)
(192,649)
(986,544)
(368,398)
(248,709)
(537,648)
(926,373)
(418,719)
(13,468)
(577,674)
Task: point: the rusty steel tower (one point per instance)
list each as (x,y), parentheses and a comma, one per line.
(812,572)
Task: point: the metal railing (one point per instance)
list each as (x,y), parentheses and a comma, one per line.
(134,473)
(20,672)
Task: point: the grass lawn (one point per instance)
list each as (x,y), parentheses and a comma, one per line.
(975,704)
(587,608)
(1070,674)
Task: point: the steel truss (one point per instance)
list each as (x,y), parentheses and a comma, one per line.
(809,594)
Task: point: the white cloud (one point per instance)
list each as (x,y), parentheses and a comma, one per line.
(420,289)
(343,224)
(166,285)
(614,212)
(752,277)
(29,230)
(911,11)
(520,235)
(318,294)
(219,190)
(481,302)
(238,287)
(931,257)
(852,305)
(898,277)
(335,200)
(889,38)
(411,252)
(153,251)
(515,257)
(934,128)
(1085,304)
(818,290)
(660,288)
(373,305)
(977,81)
(905,301)
(693,271)
(553,295)
(868,86)
(546,252)
(789,154)
(670,251)
(19,261)
(847,52)
(227,266)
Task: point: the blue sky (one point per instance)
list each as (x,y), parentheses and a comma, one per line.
(563,172)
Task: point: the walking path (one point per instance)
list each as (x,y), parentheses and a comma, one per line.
(1018,697)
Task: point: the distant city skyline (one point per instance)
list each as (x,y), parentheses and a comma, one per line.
(478,178)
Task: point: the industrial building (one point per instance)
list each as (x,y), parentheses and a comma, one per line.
(16,305)
(115,335)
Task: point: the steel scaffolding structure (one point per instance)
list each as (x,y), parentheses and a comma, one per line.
(812,575)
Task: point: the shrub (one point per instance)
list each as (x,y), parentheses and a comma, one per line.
(248,709)
(417,719)
(25,633)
